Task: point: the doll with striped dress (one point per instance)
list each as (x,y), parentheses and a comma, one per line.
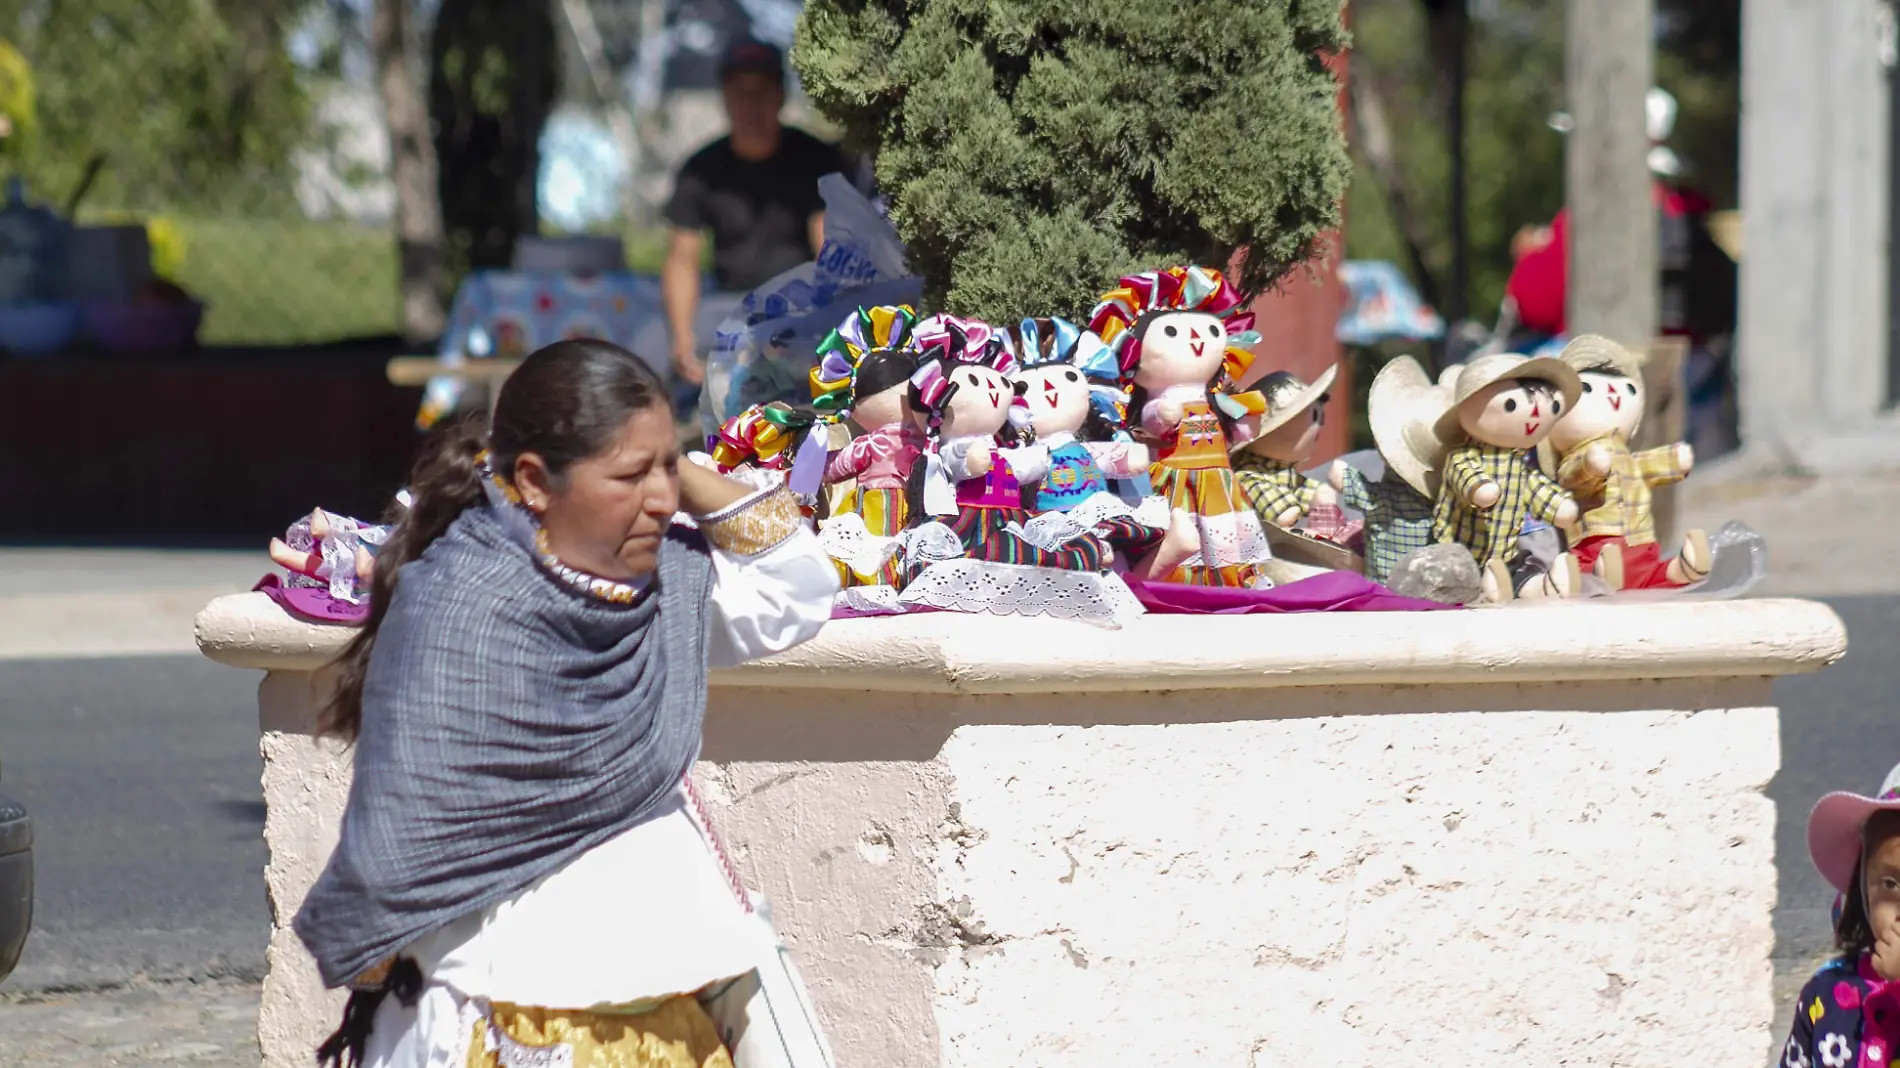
(968,482)
(1179,335)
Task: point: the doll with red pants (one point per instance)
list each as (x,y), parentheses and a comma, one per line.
(1616,535)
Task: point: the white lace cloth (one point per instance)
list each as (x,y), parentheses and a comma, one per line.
(1020,590)
(1052,530)
(1234,538)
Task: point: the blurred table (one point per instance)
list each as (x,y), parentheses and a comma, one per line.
(509,314)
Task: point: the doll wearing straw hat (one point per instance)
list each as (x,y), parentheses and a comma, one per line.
(1402,405)
(1616,535)
(1501,407)
(1275,433)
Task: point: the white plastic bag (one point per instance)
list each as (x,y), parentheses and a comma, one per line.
(765,351)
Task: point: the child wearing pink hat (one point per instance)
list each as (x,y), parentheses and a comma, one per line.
(1849,1013)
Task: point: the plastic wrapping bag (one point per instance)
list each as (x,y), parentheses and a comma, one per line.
(765,351)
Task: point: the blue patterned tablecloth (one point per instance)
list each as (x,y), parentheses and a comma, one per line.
(1381,305)
(511,314)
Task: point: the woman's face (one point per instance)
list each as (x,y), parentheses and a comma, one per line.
(1883,879)
(607,513)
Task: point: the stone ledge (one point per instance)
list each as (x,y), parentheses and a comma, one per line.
(959,654)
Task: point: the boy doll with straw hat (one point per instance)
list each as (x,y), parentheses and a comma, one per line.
(1402,405)
(1616,536)
(1276,427)
(1501,407)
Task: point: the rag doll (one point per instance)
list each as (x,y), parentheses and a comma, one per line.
(1275,435)
(1501,407)
(773,444)
(973,485)
(331,551)
(1064,384)
(864,372)
(1177,335)
(1616,536)
(1402,405)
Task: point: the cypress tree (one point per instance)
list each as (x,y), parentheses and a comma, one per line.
(1036,150)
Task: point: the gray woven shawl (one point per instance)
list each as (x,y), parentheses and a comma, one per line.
(510,724)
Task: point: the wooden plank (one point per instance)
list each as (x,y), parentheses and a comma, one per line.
(1665,422)
(417,370)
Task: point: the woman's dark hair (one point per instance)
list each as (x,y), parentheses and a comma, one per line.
(1853,935)
(565,402)
(880,370)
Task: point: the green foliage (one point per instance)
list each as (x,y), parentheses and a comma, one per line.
(1035,150)
(286,282)
(1515,161)
(17,105)
(193,103)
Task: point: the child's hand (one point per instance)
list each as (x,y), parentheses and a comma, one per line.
(1887,953)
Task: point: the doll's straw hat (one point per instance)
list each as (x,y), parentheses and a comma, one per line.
(1275,399)
(1485,371)
(1403,407)
(1590,351)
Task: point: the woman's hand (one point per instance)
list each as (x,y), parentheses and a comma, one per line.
(704,491)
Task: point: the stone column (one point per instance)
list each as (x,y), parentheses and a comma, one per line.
(1608,67)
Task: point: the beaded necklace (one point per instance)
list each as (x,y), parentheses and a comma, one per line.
(609,590)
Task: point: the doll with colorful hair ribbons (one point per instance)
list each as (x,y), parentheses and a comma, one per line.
(1178,335)
(766,443)
(863,374)
(967,482)
(1066,403)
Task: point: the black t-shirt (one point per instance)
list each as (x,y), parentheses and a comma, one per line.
(759,211)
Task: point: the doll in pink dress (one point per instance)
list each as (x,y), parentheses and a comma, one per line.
(864,372)
(1178,335)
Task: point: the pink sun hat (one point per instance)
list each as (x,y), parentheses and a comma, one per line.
(1836,826)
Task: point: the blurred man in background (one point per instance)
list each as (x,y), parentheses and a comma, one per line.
(755,190)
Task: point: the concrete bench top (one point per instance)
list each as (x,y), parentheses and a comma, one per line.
(948,653)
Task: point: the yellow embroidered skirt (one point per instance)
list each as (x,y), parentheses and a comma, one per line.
(885,514)
(675,1034)
(1233,545)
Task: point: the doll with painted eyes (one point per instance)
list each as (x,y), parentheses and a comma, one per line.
(1616,535)
(864,370)
(1502,406)
(1177,335)
(1275,436)
(968,482)
(1065,405)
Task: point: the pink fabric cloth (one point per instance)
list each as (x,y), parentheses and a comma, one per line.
(878,459)
(1335,591)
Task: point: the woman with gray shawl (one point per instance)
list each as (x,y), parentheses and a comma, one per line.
(519,863)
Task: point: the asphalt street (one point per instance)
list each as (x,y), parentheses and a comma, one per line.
(141,776)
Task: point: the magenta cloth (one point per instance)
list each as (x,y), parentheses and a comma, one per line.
(313,603)
(1335,591)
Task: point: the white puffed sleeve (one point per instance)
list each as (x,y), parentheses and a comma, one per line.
(772,584)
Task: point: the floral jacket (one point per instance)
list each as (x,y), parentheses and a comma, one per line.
(1847,1017)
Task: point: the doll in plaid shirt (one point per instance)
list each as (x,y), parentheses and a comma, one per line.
(1616,536)
(1503,406)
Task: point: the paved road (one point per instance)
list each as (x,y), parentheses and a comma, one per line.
(142,779)
(142,776)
